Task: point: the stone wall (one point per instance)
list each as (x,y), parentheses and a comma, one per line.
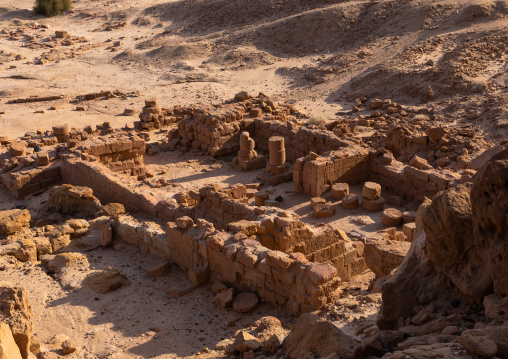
(315,176)
(287,281)
(26,182)
(410,182)
(123,153)
(109,186)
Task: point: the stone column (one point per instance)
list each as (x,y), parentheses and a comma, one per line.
(277,151)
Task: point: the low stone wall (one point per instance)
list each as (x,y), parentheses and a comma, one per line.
(119,154)
(315,176)
(109,186)
(410,182)
(22,183)
(287,281)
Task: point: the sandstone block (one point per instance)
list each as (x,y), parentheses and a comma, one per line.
(350,201)
(339,190)
(17,149)
(245,302)
(391,217)
(418,162)
(373,205)
(371,190)
(409,230)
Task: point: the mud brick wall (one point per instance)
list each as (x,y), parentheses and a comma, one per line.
(299,141)
(124,153)
(286,281)
(216,130)
(23,183)
(410,182)
(109,186)
(314,177)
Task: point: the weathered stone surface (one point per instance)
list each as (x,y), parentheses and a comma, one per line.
(459,248)
(159,270)
(68,347)
(15,311)
(106,235)
(350,201)
(8,347)
(13,220)
(480,161)
(489,202)
(450,243)
(487,343)
(339,190)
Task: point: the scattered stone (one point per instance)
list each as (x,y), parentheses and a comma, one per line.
(104,281)
(106,235)
(245,302)
(225,298)
(68,347)
(159,270)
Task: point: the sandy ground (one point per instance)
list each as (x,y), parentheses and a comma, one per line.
(321,55)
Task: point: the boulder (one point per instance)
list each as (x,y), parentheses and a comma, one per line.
(105,281)
(459,248)
(487,343)
(371,190)
(68,347)
(13,220)
(68,199)
(24,250)
(489,201)
(318,337)
(435,133)
(113,209)
(8,347)
(15,311)
(448,226)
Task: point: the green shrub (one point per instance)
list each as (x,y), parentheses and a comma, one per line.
(51,7)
